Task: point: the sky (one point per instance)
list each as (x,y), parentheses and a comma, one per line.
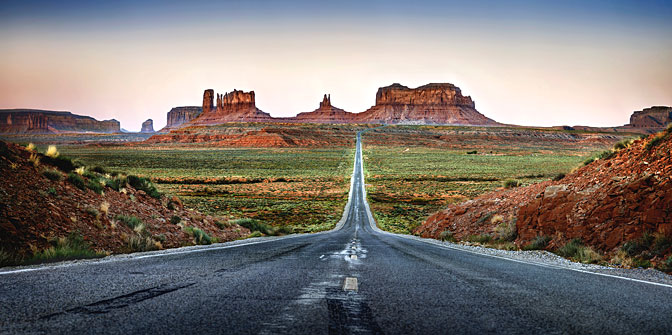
(538,63)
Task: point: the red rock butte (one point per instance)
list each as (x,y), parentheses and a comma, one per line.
(395,104)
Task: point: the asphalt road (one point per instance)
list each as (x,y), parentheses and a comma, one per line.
(354,279)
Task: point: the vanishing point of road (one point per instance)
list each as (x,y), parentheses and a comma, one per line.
(353,279)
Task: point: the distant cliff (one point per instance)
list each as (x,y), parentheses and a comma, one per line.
(428,104)
(178,116)
(235,106)
(35,121)
(653,117)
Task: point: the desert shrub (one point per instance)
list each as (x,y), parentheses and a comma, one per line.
(657,139)
(105,207)
(538,243)
(575,249)
(222,225)
(473,152)
(52,175)
(255,233)
(200,237)
(129,220)
(641,263)
(256,225)
(589,160)
(35,159)
(30,147)
(506,231)
(71,247)
(7,259)
(484,218)
(482,238)
(570,249)
(636,247)
(52,191)
(52,151)
(138,243)
(77,180)
(160,237)
(89,174)
(607,154)
(559,176)
(623,144)
(143,184)
(175,219)
(661,243)
(99,169)
(94,185)
(446,235)
(666,265)
(63,163)
(113,184)
(511,183)
(92,211)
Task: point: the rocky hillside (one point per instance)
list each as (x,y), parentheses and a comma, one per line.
(49,207)
(619,204)
(35,121)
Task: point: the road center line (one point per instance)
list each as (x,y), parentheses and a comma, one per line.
(350,284)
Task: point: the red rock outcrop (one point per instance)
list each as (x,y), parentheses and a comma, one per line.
(147,126)
(236,106)
(17,121)
(325,114)
(654,117)
(178,116)
(428,104)
(35,210)
(605,204)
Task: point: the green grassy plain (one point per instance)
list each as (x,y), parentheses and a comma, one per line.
(410,181)
(302,189)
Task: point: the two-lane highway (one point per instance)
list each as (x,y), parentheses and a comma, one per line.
(354,279)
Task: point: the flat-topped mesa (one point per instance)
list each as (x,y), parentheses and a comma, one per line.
(35,121)
(430,94)
(235,106)
(428,104)
(657,117)
(178,116)
(325,114)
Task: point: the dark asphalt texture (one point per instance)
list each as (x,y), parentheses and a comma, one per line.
(295,285)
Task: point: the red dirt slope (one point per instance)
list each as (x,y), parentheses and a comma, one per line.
(606,203)
(35,211)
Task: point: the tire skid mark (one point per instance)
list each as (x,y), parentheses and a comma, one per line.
(349,313)
(264,258)
(122,301)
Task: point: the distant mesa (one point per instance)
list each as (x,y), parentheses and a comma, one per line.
(395,104)
(428,104)
(653,117)
(35,121)
(178,116)
(147,126)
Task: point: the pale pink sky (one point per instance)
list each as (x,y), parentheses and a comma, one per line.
(525,71)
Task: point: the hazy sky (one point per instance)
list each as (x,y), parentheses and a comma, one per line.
(523,62)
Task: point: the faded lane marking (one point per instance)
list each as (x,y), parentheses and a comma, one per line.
(350,284)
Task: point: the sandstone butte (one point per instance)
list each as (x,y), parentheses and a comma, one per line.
(605,204)
(395,104)
(35,121)
(147,126)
